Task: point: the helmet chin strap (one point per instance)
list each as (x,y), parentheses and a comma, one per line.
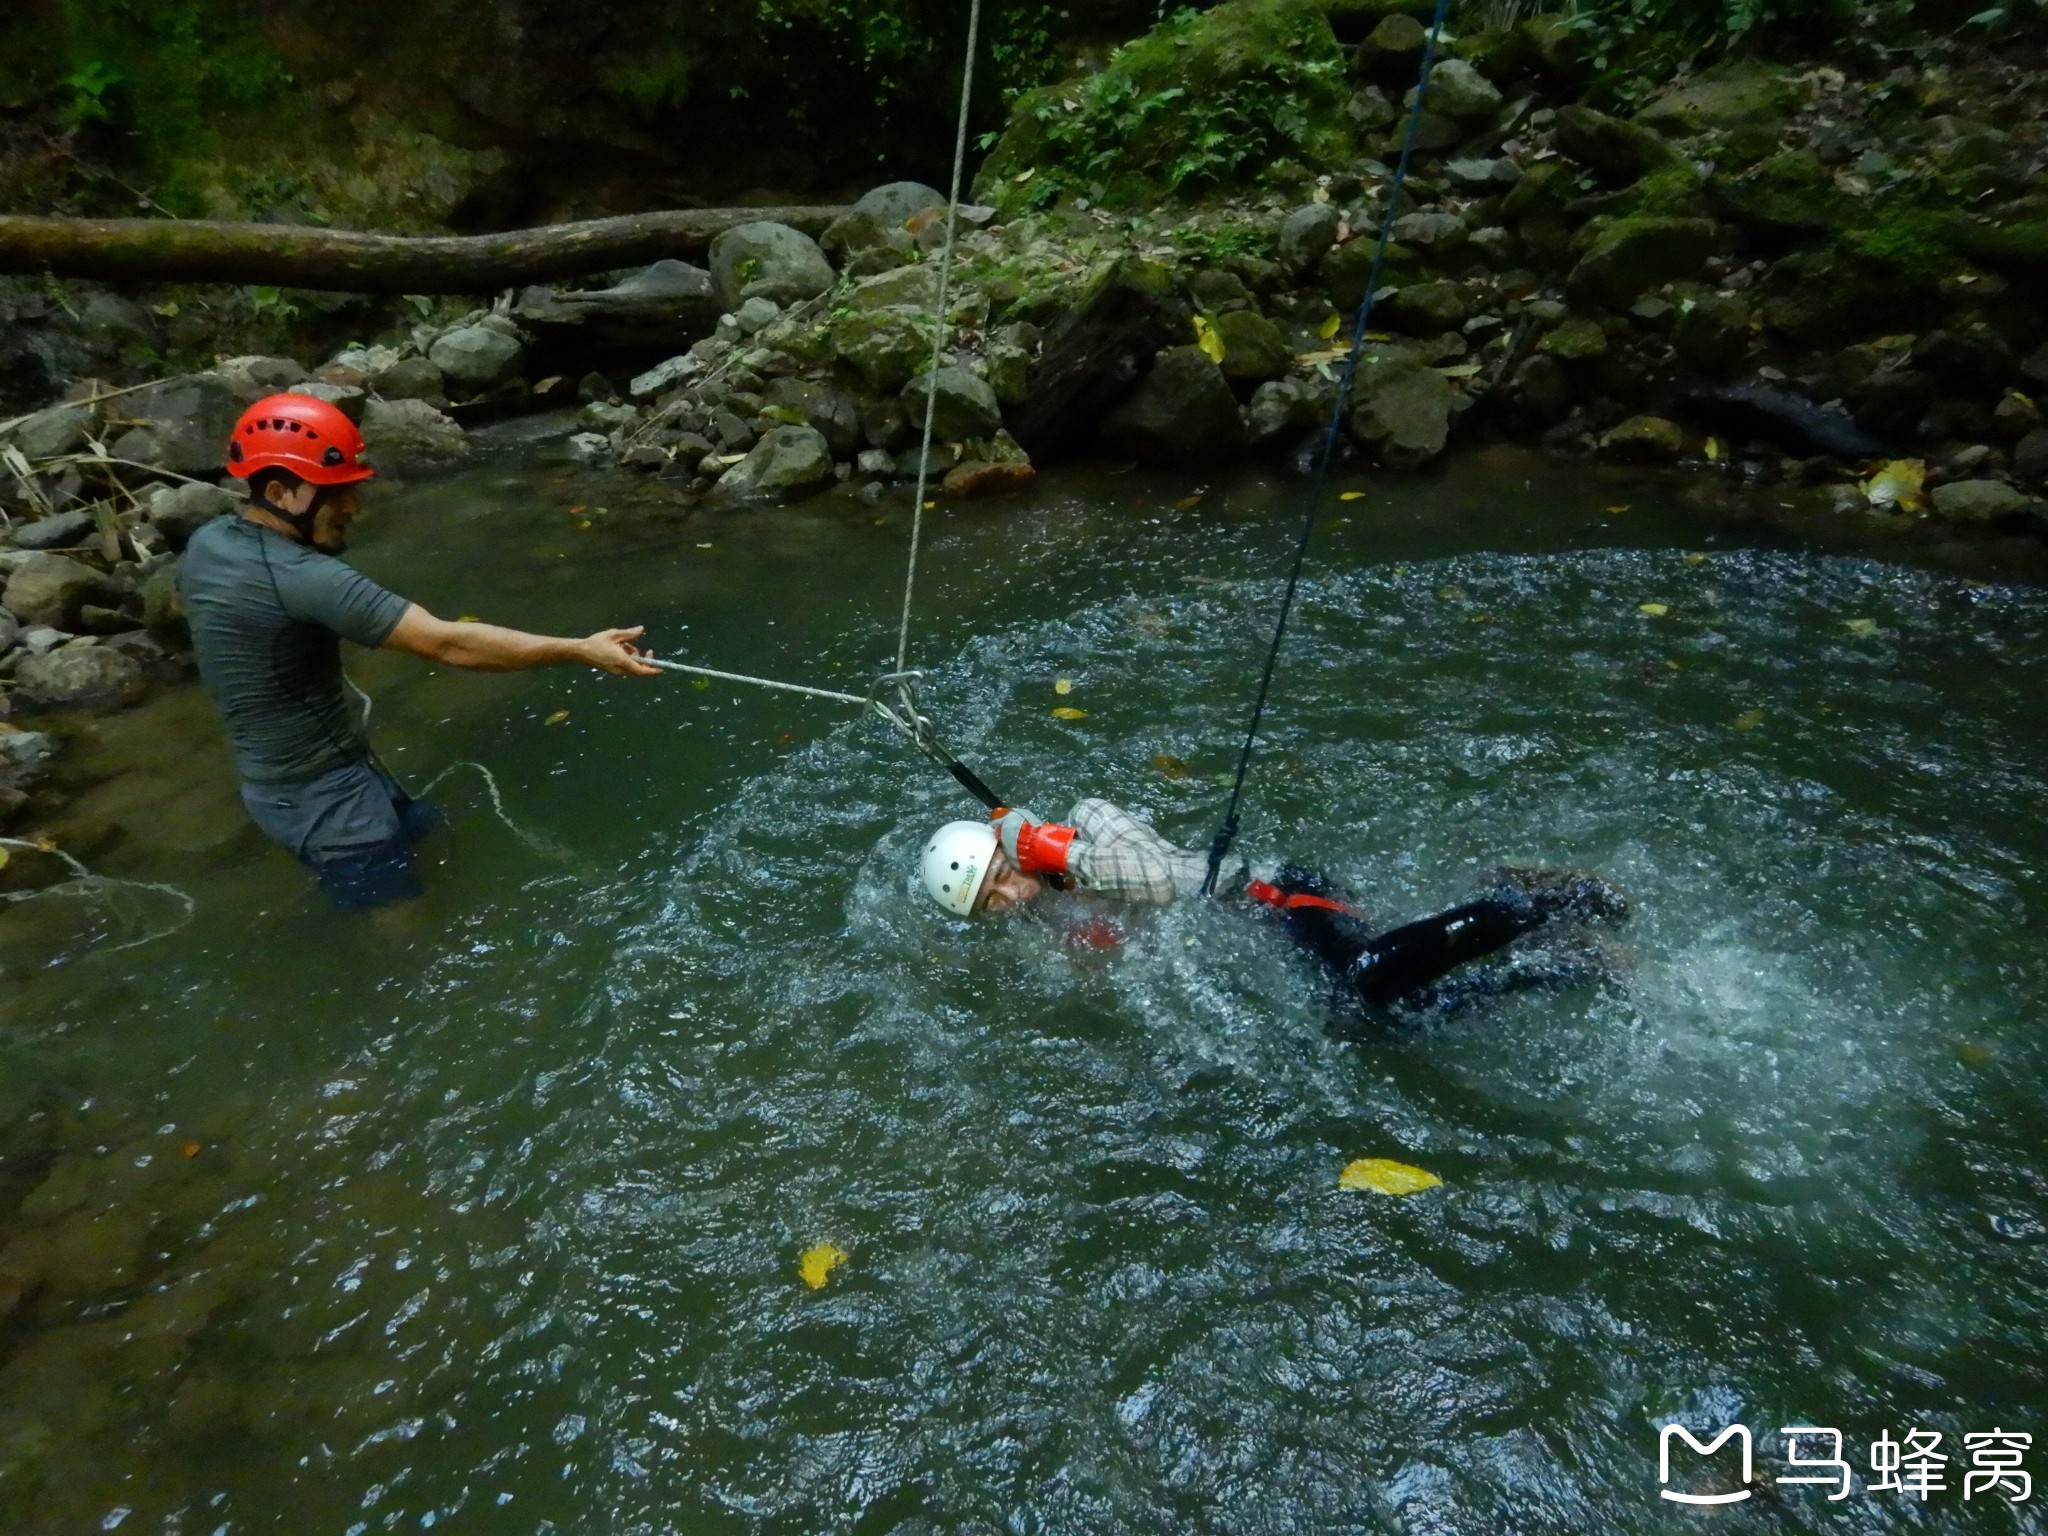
(301,523)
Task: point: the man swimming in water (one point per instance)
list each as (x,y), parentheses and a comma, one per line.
(971,868)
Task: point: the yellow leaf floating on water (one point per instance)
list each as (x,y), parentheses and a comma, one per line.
(1386,1177)
(818,1262)
(1860,626)
(1897,486)
(1330,326)
(1063,685)
(1068,712)
(1207,339)
(1622,508)
(1713,449)
(1654,610)
(556,718)
(1351,495)
(1972,1054)
(1748,720)
(1171,766)
(1188,503)
(3,858)
(1695,559)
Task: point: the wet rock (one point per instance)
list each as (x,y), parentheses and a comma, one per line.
(1625,258)
(397,433)
(1392,51)
(965,405)
(787,461)
(178,512)
(1254,350)
(42,639)
(1425,309)
(60,530)
(915,288)
(1307,233)
(1459,92)
(1976,501)
(1742,94)
(163,606)
(1346,269)
(853,236)
(1712,332)
(349,399)
(411,378)
(989,468)
(184,424)
(49,590)
(885,347)
(1789,193)
(603,416)
(2030,455)
(1780,417)
(1404,411)
(2015,416)
(477,356)
(1284,409)
(592,450)
(58,429)
(254,377)
(768,259)
(820,406)
(1644,439)
(875,463)
(10,631)
(1620,152)
(1009,371)
(1972,359)
(1576,339)
(25,756)
(1437,234)
(664,376)
(1181,412)
(81,676)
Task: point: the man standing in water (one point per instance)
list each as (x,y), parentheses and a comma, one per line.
(971,868)
(270,602)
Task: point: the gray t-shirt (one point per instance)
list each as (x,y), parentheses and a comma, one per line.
(268,617)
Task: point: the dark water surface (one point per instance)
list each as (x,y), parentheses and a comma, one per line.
(488,1218)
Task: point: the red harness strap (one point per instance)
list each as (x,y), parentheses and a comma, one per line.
(1273,896)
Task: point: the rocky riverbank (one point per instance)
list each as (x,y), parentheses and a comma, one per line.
(1817,273)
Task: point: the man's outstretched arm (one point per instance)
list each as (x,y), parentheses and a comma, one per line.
(491,648)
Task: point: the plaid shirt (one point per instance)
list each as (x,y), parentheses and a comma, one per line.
(1116,855)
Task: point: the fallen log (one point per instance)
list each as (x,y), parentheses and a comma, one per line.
(349,261)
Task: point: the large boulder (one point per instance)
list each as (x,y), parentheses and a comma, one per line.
(1622,259)
(404,433)
(51,590)
(1391,52)
(183,424)
(1621,152)
(1460,92)
(767,259)
(81,676)
(963,405)
(410,378)
(893,203)
(1254,350)
(178,512)
(1976,501)
(55,430)
(1425,309)
(1308,232)
(1740,94)
(885,347)
(1181,413)
(1404,409)
(477,356)
(657,312)
(787,461)
(836,416)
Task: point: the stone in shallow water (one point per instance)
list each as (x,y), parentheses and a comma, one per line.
(82,677)
(786,461)
(1976,501)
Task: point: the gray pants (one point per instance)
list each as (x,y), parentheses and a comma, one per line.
(352,826)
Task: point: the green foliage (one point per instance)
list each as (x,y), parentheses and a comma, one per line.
(1913,242)
(1203,99)
(1638,43)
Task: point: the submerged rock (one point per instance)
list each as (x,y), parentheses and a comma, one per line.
(1976,501)
(1181,412)
(81,676)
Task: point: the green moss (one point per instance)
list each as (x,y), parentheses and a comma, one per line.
(1915,243)
(1200,101)
(1673,192)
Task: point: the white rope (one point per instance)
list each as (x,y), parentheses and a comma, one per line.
(546,847)
(939,327)
(86,883)
(757,682)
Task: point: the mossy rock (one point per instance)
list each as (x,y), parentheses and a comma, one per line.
(1346,268)
(1712,332)
(1623,259)
(1675,192)
(1828,297)
(1426,309)
(1254,350)
(1790,192)
(1740,94)
(1618,151)
(1202,100)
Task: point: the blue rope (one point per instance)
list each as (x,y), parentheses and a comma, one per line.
(1226,834)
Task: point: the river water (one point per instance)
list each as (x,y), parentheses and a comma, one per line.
(488,1216)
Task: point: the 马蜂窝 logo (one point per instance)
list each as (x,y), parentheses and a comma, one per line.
(1736,1432)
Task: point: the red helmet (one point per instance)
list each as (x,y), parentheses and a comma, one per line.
(309,437)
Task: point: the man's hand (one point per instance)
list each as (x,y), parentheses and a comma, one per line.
(613,651)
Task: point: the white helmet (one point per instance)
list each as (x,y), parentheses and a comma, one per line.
(956,862)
